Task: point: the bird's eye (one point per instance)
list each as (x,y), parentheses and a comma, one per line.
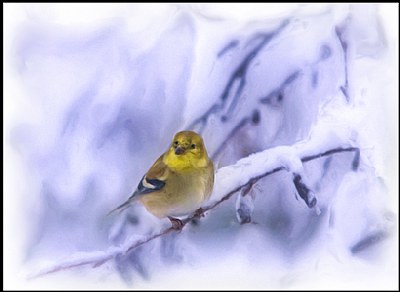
(193,146)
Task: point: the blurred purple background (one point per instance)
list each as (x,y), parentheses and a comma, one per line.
(95,93)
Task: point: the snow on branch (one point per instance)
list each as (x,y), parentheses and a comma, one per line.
(229,180)
(235,85)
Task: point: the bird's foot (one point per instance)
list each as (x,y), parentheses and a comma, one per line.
(176,223)
(199,213)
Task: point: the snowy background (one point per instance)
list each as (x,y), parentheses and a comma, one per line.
(93,94)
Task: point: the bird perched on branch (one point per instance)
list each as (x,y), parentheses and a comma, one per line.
(178,182)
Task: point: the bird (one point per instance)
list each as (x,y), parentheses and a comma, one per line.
(178,182)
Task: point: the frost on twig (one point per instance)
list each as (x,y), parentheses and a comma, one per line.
(304,191)
(238,177)
(233,89)
(245,203)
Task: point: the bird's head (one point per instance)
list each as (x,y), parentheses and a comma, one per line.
(187,150)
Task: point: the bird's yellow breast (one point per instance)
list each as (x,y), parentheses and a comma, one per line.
(183,163)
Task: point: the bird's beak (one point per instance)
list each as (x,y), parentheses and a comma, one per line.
(179,150)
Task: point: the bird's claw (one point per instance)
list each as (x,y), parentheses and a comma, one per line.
(176,223)
(199,213)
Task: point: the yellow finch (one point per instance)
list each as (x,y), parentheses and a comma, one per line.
(178,182)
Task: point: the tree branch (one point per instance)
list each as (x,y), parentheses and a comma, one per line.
(237,81)
(96,259)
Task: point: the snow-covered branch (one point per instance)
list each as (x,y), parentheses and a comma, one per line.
(237,81)
(229,180)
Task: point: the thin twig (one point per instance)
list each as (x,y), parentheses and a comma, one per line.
(238,78)
(340,34)
(253,119)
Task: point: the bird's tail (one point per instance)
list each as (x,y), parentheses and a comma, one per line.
(120,208)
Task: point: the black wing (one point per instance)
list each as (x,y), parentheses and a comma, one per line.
(145,186)
(148,185)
